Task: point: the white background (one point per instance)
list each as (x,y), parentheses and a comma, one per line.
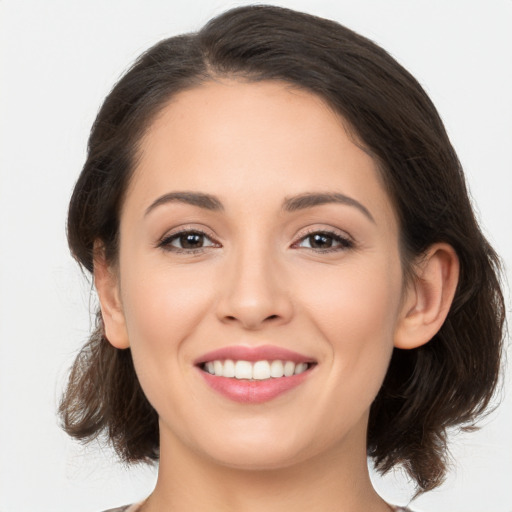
(59,59)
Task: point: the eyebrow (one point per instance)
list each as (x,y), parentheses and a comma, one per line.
(291,204)
(309,200)
(205,201)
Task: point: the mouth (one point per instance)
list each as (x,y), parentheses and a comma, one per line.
(254,374)
(255,371)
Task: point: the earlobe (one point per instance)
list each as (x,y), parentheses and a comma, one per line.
(429,297)
(107,286)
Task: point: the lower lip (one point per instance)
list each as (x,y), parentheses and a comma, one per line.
(253,391)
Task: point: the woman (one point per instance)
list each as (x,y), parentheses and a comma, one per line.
(290,273)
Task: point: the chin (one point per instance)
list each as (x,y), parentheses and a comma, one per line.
(264,449)
(258,459)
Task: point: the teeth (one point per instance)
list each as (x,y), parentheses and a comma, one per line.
(259,370)
(276,369)
(229,369)
(243,370)
(289,368)
(217,367)
(301,367)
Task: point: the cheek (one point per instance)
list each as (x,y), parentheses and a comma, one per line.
(358,299)
(356,311)
(162,307)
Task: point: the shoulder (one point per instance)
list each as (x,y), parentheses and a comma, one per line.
(134,507)
(126,508)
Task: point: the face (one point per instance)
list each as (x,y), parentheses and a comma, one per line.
(259,278)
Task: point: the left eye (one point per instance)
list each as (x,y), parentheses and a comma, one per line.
(324,241)
(187,240)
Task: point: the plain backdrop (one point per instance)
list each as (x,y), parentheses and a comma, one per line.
(59,59)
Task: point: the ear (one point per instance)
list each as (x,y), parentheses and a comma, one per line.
(107,286)
(428,297)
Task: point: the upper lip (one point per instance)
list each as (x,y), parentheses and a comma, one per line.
(253,354)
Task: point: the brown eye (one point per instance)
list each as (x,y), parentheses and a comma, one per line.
(190,240)
(325,241)
(320,241)
(186,241)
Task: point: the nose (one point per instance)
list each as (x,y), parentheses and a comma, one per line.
(254,292)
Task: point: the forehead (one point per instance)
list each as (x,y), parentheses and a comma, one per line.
(232,137)
(215,109)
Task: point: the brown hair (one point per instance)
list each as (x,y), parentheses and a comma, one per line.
(445,383)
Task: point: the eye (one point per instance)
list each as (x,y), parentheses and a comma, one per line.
(187,241)
(325,241)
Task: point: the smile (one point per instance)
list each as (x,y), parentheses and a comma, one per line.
(259,370)
(253,375)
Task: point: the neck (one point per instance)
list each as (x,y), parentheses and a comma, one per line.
(337,482)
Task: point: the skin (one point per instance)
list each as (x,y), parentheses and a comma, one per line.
(258,278)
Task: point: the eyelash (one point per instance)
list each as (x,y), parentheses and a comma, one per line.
(165,243)
(345,242)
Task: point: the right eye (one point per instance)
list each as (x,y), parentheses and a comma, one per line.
(187,241)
